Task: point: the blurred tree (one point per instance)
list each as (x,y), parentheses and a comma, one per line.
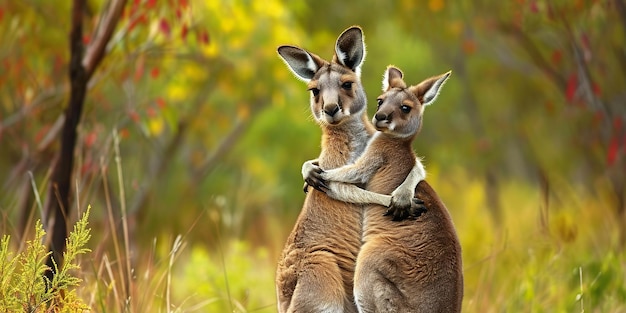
(81,68)
(520,66)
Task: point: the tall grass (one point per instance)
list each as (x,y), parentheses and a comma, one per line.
(556,256)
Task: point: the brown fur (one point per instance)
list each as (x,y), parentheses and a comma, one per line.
(316,269)
(414,265)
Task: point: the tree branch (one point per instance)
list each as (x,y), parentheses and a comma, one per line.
(96,50)
(534,53)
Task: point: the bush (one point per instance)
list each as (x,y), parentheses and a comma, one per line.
(23,286)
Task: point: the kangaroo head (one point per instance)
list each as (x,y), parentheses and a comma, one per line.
(336,90)
(400,108)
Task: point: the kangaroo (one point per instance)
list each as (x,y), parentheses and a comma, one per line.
(316,269)
(413,265)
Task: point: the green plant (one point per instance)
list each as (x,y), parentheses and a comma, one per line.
(23,286)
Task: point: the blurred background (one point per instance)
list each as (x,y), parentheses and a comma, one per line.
(193,133)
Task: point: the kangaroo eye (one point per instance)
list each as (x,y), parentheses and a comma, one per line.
(346,85)
(405,108)
(380,102)
(315,91)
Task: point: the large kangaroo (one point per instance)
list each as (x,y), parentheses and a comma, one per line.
(413,265)
(316,269)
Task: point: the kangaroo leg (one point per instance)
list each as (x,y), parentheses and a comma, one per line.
(374,290)
(320,288)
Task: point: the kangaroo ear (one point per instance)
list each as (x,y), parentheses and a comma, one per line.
(428,90)
(302,63)
(350,49)
(393,78)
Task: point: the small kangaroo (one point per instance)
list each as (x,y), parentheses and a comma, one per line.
(316,269)
(412,265)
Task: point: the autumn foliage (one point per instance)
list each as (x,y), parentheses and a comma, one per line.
(192,126)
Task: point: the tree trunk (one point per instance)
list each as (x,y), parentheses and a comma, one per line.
(80,71)
(58,200)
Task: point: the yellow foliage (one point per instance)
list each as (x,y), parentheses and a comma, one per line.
(211,50)
(243,111)
(271,8)
(435,5)
(193,72)
(155,126)
(176,92)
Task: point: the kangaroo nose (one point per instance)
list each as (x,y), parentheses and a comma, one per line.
(331,109)
(380,116)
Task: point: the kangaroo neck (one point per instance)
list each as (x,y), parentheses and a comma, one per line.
(344,143)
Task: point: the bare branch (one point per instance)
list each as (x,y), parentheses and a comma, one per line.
(96,50)
(534,53)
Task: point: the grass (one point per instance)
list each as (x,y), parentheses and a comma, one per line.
(561,256)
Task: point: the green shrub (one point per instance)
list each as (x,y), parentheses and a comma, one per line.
(23,286)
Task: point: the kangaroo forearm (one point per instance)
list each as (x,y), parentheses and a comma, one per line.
(353,194)
(417,174)
(357,173)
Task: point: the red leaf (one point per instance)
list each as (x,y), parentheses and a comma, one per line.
(179,13)
(150,4)
(469,46)
(204,37)
(612,153)
(133,116)
(86,39)
(154,73)
(1,13)
(141,19)
(90,139)
(557,55)
(183,32)
(160,102)
(183,3)
(533,7)
(124,133)
(165,27)
(572,85)
(139,67)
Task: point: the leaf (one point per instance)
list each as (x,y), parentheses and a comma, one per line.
(164,26)
(557,55)
(154,73)
(469,46)
(611,155)
(90,139)
(435,5)
(124,133)
(534,7)
(570,88)
(203,37)
(160,102)
(183,32)
(134,116)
